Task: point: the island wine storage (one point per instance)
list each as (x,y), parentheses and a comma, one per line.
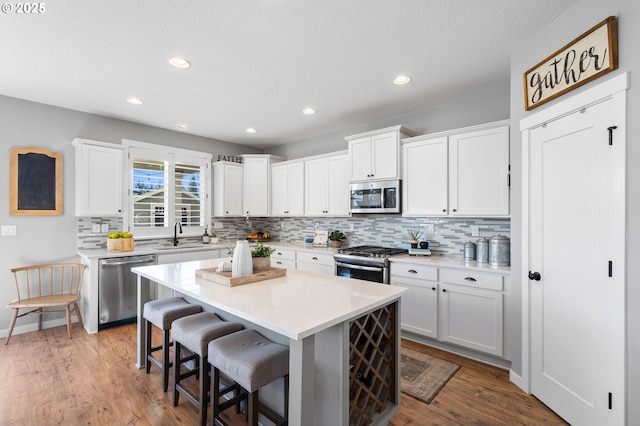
(372,364)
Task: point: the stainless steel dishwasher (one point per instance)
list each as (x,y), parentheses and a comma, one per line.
(117,289)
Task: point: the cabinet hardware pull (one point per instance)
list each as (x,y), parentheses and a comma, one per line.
(413,271)
(444,210)
(279,263)
(433,288)
(444,290)
(279,254)
(455,210)
(534,276)
(314,258)
(469,279)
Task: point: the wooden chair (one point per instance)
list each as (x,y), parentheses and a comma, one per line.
(47,286)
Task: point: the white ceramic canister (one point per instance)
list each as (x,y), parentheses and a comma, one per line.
(482,253)
(499,251)
(242,263)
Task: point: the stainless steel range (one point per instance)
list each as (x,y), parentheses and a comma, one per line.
(370,263)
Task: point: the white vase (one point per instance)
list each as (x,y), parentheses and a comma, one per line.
(242,263)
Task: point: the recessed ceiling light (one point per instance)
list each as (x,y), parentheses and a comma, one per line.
(182,126)
(179,63)
(401,79)
(135,101)
(251,130)
(308,111)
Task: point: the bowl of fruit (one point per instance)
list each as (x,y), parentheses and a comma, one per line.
(259,236)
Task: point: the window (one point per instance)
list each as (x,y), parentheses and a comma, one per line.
(167,185)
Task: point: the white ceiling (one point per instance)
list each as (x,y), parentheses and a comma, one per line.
(258,63)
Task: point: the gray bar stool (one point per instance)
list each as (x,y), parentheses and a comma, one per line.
(162,313)
(252,361)
(194,333)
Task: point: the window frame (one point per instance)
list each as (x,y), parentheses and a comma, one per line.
(172,156)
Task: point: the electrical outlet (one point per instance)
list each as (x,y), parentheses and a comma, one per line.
(430,229)
(475,230)
(95,228)
(104,227)
(218,225)
(352,227)
(8,230)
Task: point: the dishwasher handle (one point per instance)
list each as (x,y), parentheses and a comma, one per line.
(126,261)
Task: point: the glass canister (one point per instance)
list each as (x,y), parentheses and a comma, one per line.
(469,251)
(242,263)
(482,253)
(499,251)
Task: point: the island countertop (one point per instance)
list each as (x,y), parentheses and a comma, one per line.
(296,306)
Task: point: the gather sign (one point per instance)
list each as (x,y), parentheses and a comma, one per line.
(588,57)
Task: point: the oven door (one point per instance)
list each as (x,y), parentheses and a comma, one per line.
(377,274)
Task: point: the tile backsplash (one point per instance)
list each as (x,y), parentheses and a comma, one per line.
(449,234)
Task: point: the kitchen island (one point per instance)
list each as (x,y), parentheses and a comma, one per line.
(343,335)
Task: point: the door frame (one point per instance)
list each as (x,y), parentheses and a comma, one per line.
(573,104)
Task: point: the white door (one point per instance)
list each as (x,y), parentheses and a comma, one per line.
(576,228)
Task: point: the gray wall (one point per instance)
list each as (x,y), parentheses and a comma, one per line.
(42,239)
(467,112)
(582,16)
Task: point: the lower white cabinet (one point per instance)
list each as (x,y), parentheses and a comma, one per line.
(283,258)
(315,262)
(458,306)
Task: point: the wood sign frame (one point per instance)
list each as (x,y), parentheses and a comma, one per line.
(584,59)
(35,182)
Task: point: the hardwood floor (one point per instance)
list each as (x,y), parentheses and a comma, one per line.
(47,379)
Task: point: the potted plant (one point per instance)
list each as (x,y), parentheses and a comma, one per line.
(336,238)
(261,257)
(415,236)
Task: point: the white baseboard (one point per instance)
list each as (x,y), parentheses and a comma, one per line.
(517,380)
(27,328)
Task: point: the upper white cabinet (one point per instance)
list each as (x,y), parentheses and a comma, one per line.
(227,189)
(99,169)
(479,173)
(256,184)
(287,189)
(458,173)
(327,186)
(376,155)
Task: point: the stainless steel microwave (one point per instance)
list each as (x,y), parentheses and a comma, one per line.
(375,197)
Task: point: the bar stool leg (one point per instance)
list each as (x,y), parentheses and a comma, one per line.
(147,351)
(252,408)
(166,364)
(204,389)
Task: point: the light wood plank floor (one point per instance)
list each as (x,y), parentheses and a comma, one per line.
(47,379)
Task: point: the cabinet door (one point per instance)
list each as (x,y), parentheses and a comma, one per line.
(419,309)
(227,189)
(99,180)
(255,188)
(472,318)
(316,187)
(338,186)
(360,157)
(296,189)
(479,173)
(279,190)
(385,156)
(425,176)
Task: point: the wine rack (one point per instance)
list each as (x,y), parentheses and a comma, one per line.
(372,360)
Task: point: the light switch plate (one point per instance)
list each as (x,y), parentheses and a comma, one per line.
(218,225)
(8,230)
(104,227)
(95,228)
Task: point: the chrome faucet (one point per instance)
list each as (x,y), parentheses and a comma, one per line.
(175,232)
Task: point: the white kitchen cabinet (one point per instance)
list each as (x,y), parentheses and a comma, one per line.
(326,186)
(99,173)
(376,155)
(287,189)
(419,312)
(425,177)
(256,184)
(283,258)
(227,189)
(315,262)
(461,173)
(479,173)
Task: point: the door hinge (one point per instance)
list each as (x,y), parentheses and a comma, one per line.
(610,401)
(610,269)
(611,129)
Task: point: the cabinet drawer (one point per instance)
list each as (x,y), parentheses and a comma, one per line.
(472,279)
(282,253)
(319,258)
(283,263)
(421,272)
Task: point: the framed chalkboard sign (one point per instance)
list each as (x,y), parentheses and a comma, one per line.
(36,182)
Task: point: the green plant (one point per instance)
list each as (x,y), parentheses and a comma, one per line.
(336,236)
(415,234)
(261,250)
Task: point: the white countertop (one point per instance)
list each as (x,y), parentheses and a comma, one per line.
(450,262)
(143,250)
(297,305)
(301,246)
